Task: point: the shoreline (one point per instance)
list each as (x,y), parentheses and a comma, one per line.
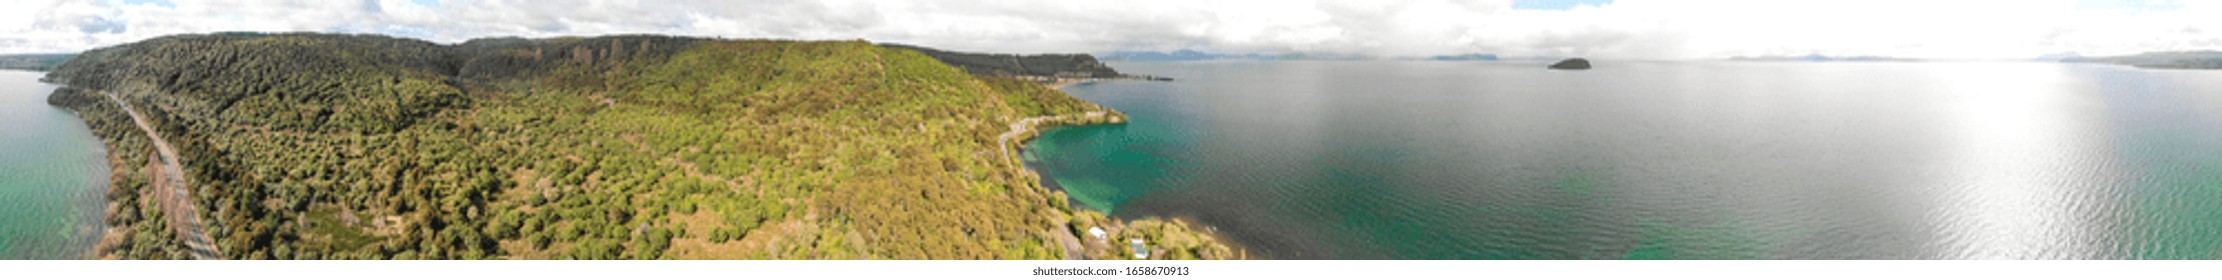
(1209,231)
(91,203)
(1030,128)
(156,194)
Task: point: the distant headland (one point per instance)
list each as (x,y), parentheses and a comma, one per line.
(1048,68)
(2161,60)
(34,62)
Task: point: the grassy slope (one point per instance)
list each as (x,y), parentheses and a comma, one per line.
(321,146)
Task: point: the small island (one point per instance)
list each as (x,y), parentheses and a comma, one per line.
(1571,64)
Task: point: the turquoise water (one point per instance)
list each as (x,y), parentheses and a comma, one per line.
(53,172)
(1661,160)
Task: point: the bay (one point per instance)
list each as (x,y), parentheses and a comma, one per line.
(1661,160)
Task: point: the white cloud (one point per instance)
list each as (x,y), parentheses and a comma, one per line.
(1663,29)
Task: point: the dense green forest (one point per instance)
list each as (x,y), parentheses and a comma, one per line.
(314,146)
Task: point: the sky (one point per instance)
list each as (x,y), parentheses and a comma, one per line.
(1621,29)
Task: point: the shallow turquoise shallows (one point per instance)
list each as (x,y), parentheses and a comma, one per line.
(52,175)
(1652,160)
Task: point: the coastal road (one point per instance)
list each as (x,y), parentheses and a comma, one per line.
(184,215)
(1021,126)
(1003,141)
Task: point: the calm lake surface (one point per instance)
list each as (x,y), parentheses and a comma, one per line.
(52,175)
(1675,160)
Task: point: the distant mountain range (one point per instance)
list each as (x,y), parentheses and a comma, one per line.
(2161,60)
(2169,60)
(1193,55)
(34,62)
(1182,55)
(1819,58)
(2056,57)
(1466,57)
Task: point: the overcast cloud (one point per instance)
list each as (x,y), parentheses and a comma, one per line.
(1639,29)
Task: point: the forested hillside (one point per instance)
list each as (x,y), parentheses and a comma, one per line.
(1039,65)
(312,146)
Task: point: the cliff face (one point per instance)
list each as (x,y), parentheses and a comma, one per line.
(314,146)
(1039,65)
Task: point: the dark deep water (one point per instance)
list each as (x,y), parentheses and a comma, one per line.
(52,174)
(1680,160)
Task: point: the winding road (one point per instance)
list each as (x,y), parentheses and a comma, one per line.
(1022,125)
(183,214)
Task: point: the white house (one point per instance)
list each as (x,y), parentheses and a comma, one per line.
(1140,252)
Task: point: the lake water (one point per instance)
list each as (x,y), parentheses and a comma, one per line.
(53,172)
(1648,160)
